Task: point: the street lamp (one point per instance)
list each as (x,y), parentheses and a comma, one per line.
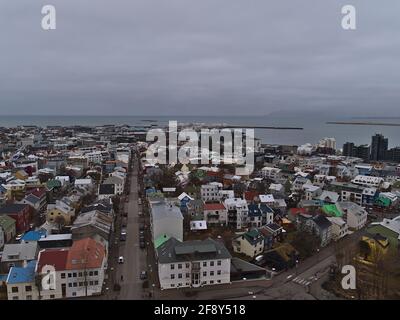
(153,286)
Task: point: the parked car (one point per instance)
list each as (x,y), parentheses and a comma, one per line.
(143,275)
(142,244)
(19,237)
(121,260)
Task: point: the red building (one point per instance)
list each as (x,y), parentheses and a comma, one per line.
(21,213)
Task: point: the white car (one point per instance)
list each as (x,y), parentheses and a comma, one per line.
(121,260)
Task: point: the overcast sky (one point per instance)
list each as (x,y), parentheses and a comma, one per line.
(199,57)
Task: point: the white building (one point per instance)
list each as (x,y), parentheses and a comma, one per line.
(339,228)
(271,173)
(210,192)
(238,212)
(21,282)
(215,214)
(355,215)
(193,263)
(368,181)
(327,143)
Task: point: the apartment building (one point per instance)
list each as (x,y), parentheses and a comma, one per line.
(193,263)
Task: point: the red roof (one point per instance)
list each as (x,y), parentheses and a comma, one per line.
(214,206)
(37,192)
(250,195)
(85,254)
(296,211)
(53,257)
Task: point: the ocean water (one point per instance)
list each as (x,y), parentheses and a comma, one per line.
(315,128)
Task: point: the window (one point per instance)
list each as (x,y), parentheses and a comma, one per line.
(180,276)
(28,297)
(211,273)
(96,273)
(14,289)
(90,273)
(63,275)
(75,284)
(187,265)
(15,298)
(218,281)
(172,266)
(179,265)
(96,283)
(28,288)
(69,275)
(70,285)
(218,262)
(172,276)
(205,264)
(187,275)
(205,274)
(90,283)
(74,274)
(80,274)
(211,282)
(81,284)
(219,272)
(212,263)
(74,294)
(52,296)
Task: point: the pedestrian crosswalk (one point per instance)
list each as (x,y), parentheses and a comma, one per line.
(301,281)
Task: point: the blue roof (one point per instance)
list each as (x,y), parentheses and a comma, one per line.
(3,277)
(21,274)
(34,235)
(254,210)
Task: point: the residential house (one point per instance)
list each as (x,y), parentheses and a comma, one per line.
(17,255)
(8,228)
(254,215)
(52,263)
(271,173)
(118,183)
(275,230)
(85,266)
(267,214)
(311,192)
(21,282)
(21,213)
(355,215)
(215,214)
(388,228)
(339,228)
(250,243)
(60,212)
(166,218)
(210,192)
(316,225)
(106,191)
(91,224)
(329,197)
(237,212)
(193,264)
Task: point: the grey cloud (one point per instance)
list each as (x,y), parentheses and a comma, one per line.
(152,57)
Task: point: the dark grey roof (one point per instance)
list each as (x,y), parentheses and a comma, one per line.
(12,208)
(174,251)
(322,222)
(107,189)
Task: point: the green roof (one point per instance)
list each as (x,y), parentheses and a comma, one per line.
(6,222)
(53,183)
(332,210)
(383,201)
(161,240)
